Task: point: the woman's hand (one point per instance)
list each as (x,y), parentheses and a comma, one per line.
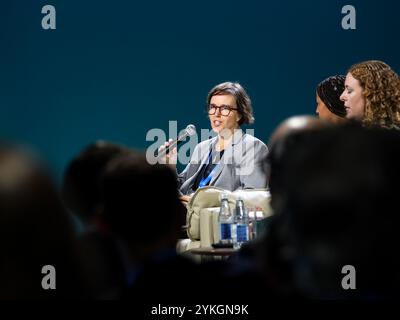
(185,199)
(169,158)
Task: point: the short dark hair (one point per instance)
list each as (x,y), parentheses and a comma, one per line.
(130,184)
(81,191)
(243,101)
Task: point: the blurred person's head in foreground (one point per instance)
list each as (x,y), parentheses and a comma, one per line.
(281,140)
(35,231)
(141,205)
(276,269)
(81,184)
(340,195)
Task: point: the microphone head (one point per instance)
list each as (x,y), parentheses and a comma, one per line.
(191,130)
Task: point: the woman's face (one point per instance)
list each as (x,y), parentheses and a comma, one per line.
(353,98)
(324,113)
(220,122)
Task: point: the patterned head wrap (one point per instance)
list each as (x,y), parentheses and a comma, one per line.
(329,92)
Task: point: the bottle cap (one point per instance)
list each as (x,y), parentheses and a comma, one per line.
(224,195)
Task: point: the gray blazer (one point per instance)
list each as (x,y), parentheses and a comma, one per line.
(240,167)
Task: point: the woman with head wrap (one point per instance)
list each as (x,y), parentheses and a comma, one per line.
(329,105)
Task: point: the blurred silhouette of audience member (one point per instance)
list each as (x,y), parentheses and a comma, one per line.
(340,191)
(82,196)
(81,189)
(281,140)
(372,94)
(142,208)
(329,105)
(264,252)
(35,231)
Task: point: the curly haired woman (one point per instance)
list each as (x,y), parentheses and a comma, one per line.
(372,94)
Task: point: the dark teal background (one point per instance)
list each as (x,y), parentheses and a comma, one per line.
(115,69)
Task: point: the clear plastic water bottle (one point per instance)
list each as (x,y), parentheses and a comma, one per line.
(225,221)
(260,223)
(252,223)
(241,224)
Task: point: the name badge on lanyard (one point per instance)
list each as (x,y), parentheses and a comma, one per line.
(205,181)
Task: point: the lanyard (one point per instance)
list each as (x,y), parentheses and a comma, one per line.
(207,179)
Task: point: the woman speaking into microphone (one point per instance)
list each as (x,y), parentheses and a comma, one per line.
(231,160)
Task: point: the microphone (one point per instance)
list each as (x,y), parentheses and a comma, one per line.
(190,130)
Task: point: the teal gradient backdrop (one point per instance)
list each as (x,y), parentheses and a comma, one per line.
(115,69)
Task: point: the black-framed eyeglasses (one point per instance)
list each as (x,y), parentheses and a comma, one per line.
(224,110)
